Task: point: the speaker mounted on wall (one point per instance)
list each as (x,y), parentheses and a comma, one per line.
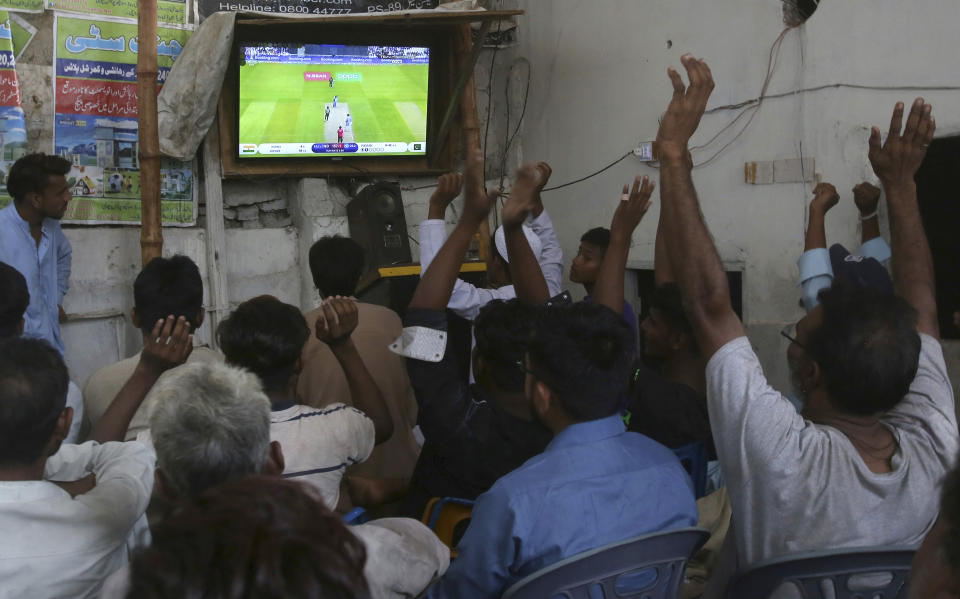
(377,222)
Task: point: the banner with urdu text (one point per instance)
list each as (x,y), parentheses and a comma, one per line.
(13,132)
(95,123)
(168,11)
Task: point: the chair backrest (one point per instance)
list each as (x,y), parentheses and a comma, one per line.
(857,573)
(445,517)
(357,515)
(693,456)
(649,567)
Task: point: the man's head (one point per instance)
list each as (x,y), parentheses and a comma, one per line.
(578,362)
(586,264)
(859,346)
(265,336)
(935,571)
(336,264)
(257,537)
(13,301)
(34,419)
(38,182)
(167,286)
(666,331)
(501,330)
(210,423)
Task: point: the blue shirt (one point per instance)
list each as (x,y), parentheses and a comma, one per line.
(45,267)
(595,484)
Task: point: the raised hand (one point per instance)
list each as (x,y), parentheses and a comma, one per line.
(448,188)
(897,160)
(866,196)
(686,106)
(337,320)
(476,201)
(825,197)
(168,345)
(545,172)
(523,196)
(634,203)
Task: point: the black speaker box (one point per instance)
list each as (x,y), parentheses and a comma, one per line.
(378,224)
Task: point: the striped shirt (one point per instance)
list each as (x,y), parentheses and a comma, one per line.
(319,444)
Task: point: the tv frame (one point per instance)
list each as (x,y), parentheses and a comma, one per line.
(441,154)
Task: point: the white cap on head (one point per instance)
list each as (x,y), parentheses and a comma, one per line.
(501,240)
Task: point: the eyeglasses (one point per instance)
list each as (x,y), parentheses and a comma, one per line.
(790,332)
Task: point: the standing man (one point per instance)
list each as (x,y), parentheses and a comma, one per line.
(335,98)
(32,242)
(340,134)
(331,81)
(326,113)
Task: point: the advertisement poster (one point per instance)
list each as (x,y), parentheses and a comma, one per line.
(13,133)
(95,126)
(312,7)
(168,11)
(22,5)
(22,33)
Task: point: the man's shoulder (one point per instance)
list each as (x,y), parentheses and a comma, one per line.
(110,373)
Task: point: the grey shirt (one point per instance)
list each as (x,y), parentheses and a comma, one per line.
(799,486)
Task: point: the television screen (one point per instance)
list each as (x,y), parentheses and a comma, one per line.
(327,100)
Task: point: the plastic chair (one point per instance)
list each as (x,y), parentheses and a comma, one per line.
(443,515)
(648,567)
(357,515)
(858,573)
(693,456)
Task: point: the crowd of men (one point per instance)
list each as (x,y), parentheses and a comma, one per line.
(189,472)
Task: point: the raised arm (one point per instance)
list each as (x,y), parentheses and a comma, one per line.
(529,283)
(825,197)
(895,163)
(334,326)
(693,257)
(448,188)
(867,198)
(436,282)
(168,345)
(634,203)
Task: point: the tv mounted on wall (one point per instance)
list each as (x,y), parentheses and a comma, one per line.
(313,99)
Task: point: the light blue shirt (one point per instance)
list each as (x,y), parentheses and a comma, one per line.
(45,267)
(595,484)
(816,272)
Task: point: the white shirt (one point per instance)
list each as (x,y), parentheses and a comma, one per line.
(319,444)
(466,299)
(54,546)
(75,401)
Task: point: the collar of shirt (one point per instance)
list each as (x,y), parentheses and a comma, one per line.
(588,432)
(14,217)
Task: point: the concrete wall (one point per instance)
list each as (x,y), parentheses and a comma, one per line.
(600,84)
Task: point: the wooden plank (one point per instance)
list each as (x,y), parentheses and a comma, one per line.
(470,123)
(466,75)
(216,237)
(151,231)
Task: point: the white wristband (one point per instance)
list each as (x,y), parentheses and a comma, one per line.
(869,216)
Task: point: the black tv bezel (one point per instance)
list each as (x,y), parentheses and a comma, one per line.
(294,33)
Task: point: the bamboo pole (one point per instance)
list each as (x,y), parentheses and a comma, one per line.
(470,124)
(151,233)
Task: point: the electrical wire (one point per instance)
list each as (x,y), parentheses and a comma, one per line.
(594,174)
(508,138)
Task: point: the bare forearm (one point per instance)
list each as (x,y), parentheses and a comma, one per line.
(436,211)
(662,268)
(870,228)
(527,277)
(816,231)
(436,284)
(363,389)
(913,276)
(113,425)
(608,289)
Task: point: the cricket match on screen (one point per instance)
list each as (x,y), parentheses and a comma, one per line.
(332,100)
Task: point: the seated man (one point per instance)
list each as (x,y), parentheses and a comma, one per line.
(336,264)
(244,539)
(13,306)
(594,484)
(935,571)
(211,424)
(466,299)
(165,286)
(878,429)
(59,539)
(474,434)
(266,337)
(586,267)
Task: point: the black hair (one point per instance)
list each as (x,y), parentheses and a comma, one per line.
(667,300)
(265,336)
(254,537)
(583,352)
(598,236)
(501,330)
(867,348)
(336,264)
(33,394)
(168,286)
(13,301)
(31,173)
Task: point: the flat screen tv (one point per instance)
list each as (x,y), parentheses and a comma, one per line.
(309,100)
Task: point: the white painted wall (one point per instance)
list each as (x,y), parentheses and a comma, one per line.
(600,84)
